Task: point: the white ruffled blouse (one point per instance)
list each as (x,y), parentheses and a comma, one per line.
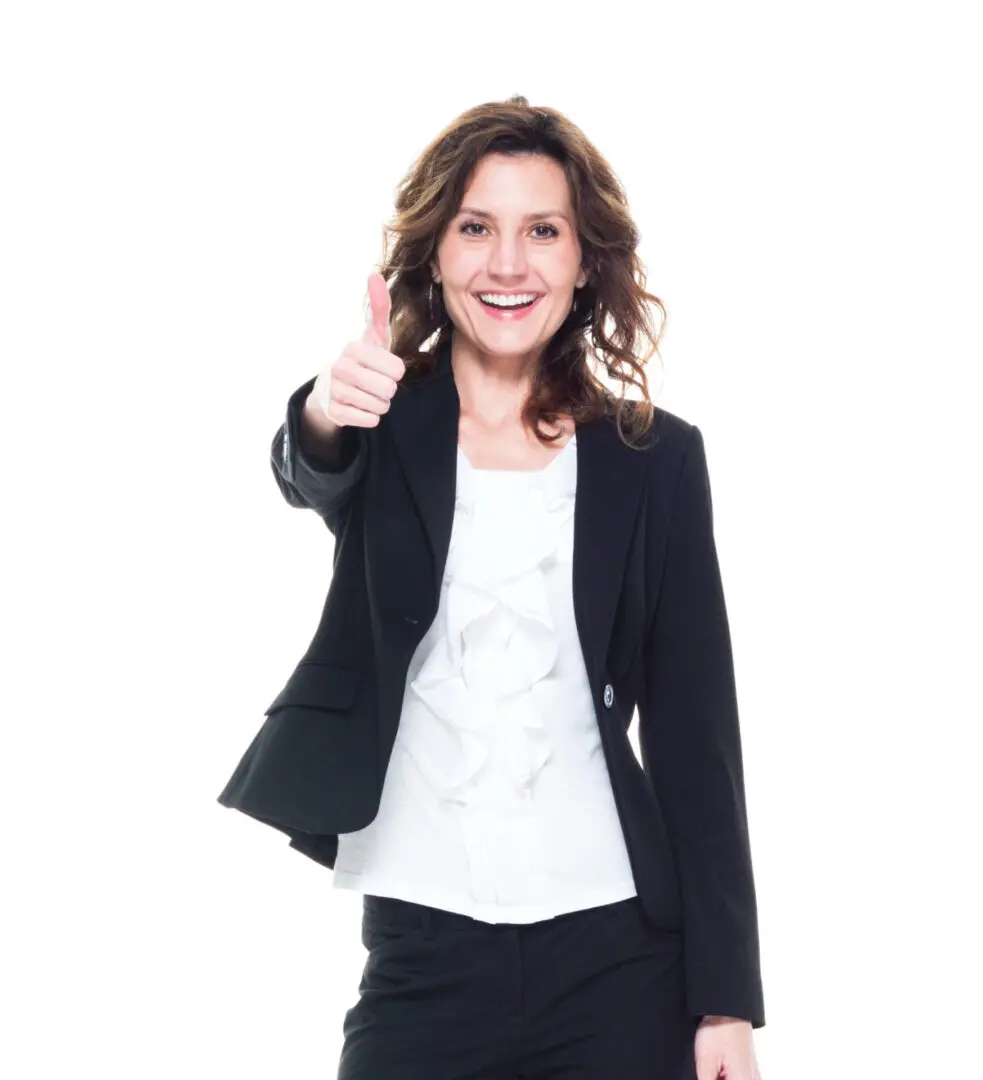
(497,801)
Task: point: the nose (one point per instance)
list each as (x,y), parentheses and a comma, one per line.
(507,260)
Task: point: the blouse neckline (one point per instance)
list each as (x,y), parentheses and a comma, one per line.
(517,472)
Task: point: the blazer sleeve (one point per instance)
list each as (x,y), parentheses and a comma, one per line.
(307,481)
(690,746)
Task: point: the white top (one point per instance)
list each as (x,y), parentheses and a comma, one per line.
(497,802)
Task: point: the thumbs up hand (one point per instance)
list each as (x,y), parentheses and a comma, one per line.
(356,388)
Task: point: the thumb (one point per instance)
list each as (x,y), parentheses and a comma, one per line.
(377,331)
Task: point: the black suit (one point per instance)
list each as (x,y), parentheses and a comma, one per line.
(653,628)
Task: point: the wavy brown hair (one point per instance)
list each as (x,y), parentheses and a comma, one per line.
(610,319)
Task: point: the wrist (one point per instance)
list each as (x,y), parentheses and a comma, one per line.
(318,435)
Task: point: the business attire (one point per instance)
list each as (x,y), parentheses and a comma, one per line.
(453,744)
(497,803)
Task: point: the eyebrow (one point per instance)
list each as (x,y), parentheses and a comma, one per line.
(539,214)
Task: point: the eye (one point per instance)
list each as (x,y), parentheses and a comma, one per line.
(553,231)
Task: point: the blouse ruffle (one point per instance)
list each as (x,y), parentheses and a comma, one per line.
(473,688)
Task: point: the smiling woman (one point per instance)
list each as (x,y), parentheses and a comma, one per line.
(514,574)
(512,235)
(508,275)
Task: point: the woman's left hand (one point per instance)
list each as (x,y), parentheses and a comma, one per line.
(724,1048)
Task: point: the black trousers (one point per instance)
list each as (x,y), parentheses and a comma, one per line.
(596,994)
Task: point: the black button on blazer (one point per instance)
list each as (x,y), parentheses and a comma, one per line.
(653,629)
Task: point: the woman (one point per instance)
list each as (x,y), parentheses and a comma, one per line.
(454,742)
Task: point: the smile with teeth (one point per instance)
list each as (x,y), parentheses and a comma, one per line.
(501,300)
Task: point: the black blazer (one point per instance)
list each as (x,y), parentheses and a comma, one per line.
(653,628)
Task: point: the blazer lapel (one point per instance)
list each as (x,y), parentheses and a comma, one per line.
(610,488)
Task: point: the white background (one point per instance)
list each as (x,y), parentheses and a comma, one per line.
(193,198)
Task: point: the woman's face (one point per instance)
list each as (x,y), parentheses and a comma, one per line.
(523,241)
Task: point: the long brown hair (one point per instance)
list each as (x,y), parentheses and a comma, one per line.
(610,318)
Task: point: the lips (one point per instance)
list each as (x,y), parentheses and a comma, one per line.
(508,307)
(508,314)
(520,292)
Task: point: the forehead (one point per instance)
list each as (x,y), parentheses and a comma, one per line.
(528,182)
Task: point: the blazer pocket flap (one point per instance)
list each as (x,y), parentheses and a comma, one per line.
(319,686)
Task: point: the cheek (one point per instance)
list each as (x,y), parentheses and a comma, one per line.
(457,259)
(562,267)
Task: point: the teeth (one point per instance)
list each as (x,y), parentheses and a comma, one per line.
(507,301)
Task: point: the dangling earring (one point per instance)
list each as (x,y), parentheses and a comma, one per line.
(432,315)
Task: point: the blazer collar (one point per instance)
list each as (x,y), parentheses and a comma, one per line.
(424,421)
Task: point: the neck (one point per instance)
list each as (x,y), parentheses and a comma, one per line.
(493,386)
